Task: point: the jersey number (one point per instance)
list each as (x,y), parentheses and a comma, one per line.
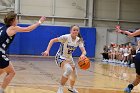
(70,51)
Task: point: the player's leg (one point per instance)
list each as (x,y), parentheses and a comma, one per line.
(73,77)
(67,71)
(137,79)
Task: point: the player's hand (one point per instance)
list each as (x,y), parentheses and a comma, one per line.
(42,19)
(118,29)
(45,53)
(82,57)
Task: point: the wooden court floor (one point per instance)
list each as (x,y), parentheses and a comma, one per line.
(41,75)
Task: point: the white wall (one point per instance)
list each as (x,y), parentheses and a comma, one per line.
(106,9)
(36,7)
(58,8)
(70,8)
(130,9)
(100,40)
(69,12)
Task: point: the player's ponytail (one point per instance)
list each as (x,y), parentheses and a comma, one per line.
(80,36)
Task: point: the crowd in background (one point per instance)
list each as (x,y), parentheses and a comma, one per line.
(123,54)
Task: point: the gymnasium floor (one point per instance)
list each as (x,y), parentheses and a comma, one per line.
(41,75)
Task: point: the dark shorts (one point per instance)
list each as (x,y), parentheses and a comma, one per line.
(137,63)
(105,55)
(4,61)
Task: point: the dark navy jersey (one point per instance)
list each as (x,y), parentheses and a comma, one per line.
(5,40)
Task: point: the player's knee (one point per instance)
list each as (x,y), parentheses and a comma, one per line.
(11,73)
(68,71)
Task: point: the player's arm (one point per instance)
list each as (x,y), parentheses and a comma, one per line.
(133,34)
(130,34)
(51,43)
(83,51)
(46,52)
(82,48)
(83,55)
(61,39)
(29,28)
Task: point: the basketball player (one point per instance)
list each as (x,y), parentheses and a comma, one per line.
(69,43)
(136,60)
(7,34)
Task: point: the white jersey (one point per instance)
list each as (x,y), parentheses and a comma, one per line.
(121,50)
(66,49)
(68,45)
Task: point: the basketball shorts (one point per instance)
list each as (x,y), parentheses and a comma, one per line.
(4,60)
(137,63)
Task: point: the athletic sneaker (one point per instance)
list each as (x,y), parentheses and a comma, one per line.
(127,90)
(73,90)
(132,65)
(60,89)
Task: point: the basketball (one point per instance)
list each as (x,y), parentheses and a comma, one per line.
(84,64)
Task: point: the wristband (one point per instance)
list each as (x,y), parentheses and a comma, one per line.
(39,22)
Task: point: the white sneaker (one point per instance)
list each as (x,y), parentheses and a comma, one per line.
(109,61)
(119,62)
(125,63)
(103,60)
(60,89)
(122,62)
(132,65)
(73,90)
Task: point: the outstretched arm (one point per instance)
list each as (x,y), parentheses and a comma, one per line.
(29,28)
(83,55)
(46,53)
(130,34)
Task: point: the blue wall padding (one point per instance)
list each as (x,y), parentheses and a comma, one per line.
(35,42)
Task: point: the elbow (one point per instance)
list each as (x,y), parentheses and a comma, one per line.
(27,30)
(52,40)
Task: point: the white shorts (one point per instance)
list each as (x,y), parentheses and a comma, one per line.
(126,54)
(59,59)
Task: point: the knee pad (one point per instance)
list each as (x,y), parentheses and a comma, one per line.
(68,70)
